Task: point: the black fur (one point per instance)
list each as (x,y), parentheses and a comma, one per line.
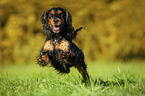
(66,56)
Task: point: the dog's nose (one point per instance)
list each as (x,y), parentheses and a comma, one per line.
(55,20)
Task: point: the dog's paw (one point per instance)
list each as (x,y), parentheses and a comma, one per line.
(42,61)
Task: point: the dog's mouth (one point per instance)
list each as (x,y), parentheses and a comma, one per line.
(56,29)
(56,25)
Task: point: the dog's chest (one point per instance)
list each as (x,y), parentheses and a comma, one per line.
(52,45)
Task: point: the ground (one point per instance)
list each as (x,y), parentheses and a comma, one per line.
(107,78)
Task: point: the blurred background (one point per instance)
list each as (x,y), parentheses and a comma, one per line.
(114,29)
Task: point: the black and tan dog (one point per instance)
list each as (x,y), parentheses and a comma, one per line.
(58,49)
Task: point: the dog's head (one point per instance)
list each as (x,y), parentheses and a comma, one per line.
(55,19)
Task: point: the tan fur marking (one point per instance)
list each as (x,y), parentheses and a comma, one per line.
(50,21)
(59,11)
(48,45)
(63,45)
(52,12)
(45,58)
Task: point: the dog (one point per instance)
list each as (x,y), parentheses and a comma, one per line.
(58,49)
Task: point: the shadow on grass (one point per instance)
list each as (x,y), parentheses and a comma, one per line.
(117,82)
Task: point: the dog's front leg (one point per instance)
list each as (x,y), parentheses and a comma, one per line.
(45,53)
(43,59)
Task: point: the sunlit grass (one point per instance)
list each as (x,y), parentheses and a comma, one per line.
(107,78)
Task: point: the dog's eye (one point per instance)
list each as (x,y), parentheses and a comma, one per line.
(50,15)
(61,15)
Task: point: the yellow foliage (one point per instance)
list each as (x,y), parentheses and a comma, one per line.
(114,29)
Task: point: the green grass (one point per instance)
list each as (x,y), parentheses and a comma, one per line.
(107,79)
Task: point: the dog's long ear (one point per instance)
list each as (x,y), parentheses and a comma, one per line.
(68,17)
(44,19)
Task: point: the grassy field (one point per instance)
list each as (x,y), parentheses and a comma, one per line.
(107,79)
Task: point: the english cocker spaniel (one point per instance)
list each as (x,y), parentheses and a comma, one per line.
(58,49)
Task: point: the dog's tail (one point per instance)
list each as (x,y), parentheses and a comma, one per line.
(79,29)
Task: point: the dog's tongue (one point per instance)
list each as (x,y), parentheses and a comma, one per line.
(56,28)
